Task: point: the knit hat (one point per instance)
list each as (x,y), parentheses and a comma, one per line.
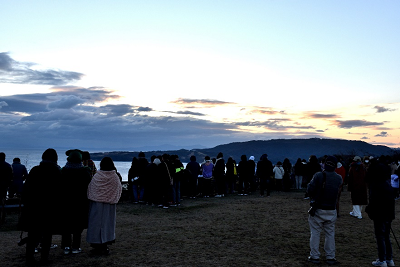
(74,155)
(251,158)
(330,163)
(357,158)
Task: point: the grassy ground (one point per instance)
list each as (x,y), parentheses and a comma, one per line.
(230,231)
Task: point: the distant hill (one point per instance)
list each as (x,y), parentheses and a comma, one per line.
(277,150)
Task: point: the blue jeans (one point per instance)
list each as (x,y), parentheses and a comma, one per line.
(138,192)
(176,192)
(382,235)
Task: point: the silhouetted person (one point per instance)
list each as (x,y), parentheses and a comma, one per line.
(19,176)
(6,175)
(42,206)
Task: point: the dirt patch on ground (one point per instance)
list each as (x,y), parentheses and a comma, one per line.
(229,231)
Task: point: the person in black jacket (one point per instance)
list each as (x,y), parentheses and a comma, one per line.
(42,201)
(381,209)
(231,175)
(6,176)
(323,190)
(74,184)
(264,173)
(243,185)
(194,168)
(219,175)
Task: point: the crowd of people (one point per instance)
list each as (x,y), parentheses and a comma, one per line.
(88,196)
(64,201)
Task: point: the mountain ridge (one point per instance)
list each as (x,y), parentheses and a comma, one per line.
(277,150)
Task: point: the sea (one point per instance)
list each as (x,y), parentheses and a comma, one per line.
(32,157)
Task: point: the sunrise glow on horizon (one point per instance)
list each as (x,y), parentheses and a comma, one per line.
(133,73)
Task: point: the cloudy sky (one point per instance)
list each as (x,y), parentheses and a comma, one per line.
(126,75)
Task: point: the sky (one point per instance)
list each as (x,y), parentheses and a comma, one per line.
(143,75)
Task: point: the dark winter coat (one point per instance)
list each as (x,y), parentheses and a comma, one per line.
(42,199)
(6,175)
(194,168)
(326,197)
(219,169)
(142,165)
(264,169)
(381,204)
(357,184)
(299,168)
(230,171)
(74,184)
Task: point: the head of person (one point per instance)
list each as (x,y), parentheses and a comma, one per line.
(165,157)
(330,163)
(134,161)
(264,156)
(279,163)
(2,156)
(357,159)
(243,158)
(251,158)
(313,159)
(220,155)
(141,154)
(50,154)
(74,156)
(85,155)
(193,158)
(16,160)
(157,161)
(107,164)
(207,158)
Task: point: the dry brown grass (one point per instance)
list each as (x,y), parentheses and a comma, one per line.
(230,231)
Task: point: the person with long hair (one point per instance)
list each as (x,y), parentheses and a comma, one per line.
(104,192)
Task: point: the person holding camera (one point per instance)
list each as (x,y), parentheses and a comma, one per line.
(323,190)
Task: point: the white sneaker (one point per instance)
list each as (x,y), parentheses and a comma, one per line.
(390,263)
(76,250)
(352,214)
(67,250)
(379,263)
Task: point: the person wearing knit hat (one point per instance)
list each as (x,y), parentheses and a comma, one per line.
(357,185)
(75,181)
(323,190)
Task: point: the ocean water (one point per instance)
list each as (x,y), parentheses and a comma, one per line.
(31,158)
